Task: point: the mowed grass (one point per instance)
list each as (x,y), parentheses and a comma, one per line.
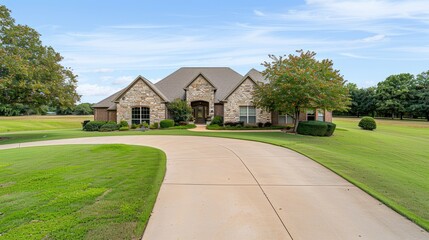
(78,191)
(31,123)
(391,163)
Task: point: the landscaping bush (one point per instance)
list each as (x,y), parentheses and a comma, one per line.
(187,126)
(167,123)
(235,124)
(123,123)
(108,127)
(260,124)
(368,123)
(144,125)
(134,126)
(154,125)
(124,128)
(84,123)
(93,126)
(331,129)
(267,124)
(217,120)
(313,128)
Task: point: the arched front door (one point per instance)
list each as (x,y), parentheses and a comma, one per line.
(200,111)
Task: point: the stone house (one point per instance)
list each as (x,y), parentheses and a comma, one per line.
(210,91)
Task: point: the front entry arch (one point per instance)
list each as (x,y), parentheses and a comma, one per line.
(200,111)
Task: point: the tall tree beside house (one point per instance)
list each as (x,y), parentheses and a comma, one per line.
(31,73)
(393,94)
(296,82)
(180,110)
(419,92)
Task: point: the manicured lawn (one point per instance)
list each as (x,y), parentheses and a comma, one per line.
(391,163)
(31,123)
(78,191)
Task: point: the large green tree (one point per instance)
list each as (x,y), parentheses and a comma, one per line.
(393,94)
(419,104)
(31,73)
(301,81)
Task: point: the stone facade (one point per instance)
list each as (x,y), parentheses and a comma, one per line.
(242,96)
(141,95)
(201,90)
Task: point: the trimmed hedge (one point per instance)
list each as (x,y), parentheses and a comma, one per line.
(93,126)
(368,123)
(217,120)
(167,123)
(109,127)
(123,123)
(316,128)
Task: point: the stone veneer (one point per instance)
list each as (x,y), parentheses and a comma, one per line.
(242,96)
(141,95)
(201,90)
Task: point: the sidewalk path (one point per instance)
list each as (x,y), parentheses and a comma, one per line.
(218,188)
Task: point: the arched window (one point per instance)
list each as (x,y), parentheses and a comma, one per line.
(140,114)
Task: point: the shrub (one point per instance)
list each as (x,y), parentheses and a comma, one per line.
(331,129)
(84,123)
(217,120)
(124,128)
(314,128)
(154,125)
(260,124)
(182,123)
(368,123)
(187,126)
(180,110)
(144,125)
(93,126)
(123,123)
(267,124)
(167,123)
(108,127)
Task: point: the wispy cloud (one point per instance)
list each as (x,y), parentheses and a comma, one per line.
(259,13)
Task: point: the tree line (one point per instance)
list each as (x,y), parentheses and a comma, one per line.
(398,96)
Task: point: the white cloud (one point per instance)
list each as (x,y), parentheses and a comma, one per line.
(259,13)
(95,90)
(124,80)
(102,70)
(375,38)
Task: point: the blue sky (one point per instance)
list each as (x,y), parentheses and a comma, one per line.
(108,43)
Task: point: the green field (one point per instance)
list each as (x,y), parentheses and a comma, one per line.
(31,123)
(78,191)
(391,163)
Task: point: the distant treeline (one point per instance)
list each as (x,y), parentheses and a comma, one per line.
(399,96)
(21,109)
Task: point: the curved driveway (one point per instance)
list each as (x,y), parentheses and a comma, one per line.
(219,188)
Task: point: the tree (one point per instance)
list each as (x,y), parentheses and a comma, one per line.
(393,94)
(83,109)
(31,73)
(300,81)
(180,110)
(368,101)
(419,93)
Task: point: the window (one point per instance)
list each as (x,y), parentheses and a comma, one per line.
(310,115)
(248,114)
(320,115)
(285,119)
(140,114)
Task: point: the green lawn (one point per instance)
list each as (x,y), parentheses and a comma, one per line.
(78,191)
(391,163)
(31,123)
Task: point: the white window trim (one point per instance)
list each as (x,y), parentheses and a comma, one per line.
(247,114)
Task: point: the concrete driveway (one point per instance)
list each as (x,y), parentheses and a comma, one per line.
(232,189)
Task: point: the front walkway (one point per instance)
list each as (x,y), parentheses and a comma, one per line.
(219,188)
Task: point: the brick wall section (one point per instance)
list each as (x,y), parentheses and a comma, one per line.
(328,116)
(243,96)
(140,95)
(201,90)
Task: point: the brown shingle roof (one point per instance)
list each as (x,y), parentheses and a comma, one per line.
(108,102)
(151,86)
(223,78)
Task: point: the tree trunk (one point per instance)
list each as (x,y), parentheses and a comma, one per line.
(393,115)
(427,116)
(296,122)
(401,115)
